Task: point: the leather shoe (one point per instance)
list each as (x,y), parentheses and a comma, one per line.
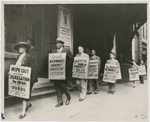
(112,92)
(108,92)
(89,92)
(81,99)
(67,101)
(22,116)
(96,92)
(58,105)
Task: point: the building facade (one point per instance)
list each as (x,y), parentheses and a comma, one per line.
(139,44)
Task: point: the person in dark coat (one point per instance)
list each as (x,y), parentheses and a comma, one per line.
(26,59)
(94,83)
(61,85)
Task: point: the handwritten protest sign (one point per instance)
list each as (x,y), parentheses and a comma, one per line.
(19,81)
(80,67)
(93,69)
(57,66)
(110,73)
(133,74)
(142,70)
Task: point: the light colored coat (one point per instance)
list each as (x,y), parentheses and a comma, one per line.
(82,55)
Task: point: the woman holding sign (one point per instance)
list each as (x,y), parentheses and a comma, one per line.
(111,86)
(25,59)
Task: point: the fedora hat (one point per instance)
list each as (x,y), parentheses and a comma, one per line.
(59,40)
(22,44)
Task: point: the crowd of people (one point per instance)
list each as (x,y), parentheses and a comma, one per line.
(85,85)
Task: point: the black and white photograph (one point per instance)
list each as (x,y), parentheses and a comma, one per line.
(74,61)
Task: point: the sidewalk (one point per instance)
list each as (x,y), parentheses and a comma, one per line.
(127,104)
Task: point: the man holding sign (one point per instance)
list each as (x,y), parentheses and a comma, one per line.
(94,80)
(61,84)
(80,71)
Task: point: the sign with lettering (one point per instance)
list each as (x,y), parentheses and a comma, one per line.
(133,74)
(80,67)
(142,70)
(93,69)
(110,73)
(19,81)
(57,66)
(65,26)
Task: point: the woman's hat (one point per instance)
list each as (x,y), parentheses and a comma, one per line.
(59,40)
(22,44)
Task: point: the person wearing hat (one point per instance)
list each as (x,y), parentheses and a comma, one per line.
(61,85)
(27,60)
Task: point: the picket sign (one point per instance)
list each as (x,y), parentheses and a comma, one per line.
(57,66)
(142,70)
(110,73)
(93,69)
(133,74)
(19,81)
(80,67)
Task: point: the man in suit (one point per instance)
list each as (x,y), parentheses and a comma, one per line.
(82,82)
(61,85)
(94,81)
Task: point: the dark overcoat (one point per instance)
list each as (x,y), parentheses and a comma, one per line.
(28,61)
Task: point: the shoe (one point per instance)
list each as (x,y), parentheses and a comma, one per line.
(58,105)
(68,101)
(22,116)
(81,99)
(113,92)
(108,92)
(28,107)
(96,92)
(133,86)
(89,92)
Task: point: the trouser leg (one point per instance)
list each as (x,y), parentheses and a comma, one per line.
(141,79)
(90,85)
(96,85)
(134,83)
(57,85)
(109,86)
(65,89)
(113,87)
(84,88)
(78,82)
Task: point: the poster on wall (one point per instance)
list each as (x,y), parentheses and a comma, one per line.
(19,81)
(93,69)
(142,70)
(110,73)
(57,65)
(133,74)
(64,26)
(80,67)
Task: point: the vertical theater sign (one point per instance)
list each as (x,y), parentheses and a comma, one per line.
(64,26)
